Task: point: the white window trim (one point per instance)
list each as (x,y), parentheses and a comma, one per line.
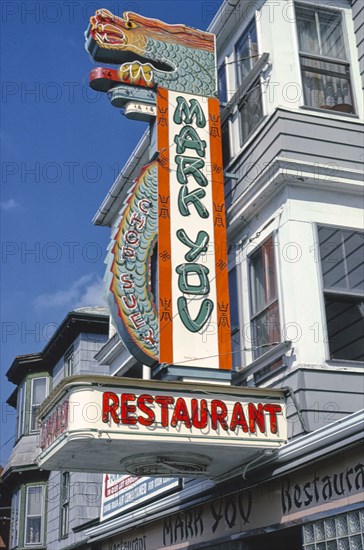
(352,54)
(46,378)
(321,287)
(263,237)
(26,516)
(20,410)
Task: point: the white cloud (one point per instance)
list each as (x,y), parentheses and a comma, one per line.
(93,295)
(9,205)
(86,291)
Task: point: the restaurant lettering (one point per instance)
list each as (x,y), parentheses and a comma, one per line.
(171,412)
(322,488)
(54,425)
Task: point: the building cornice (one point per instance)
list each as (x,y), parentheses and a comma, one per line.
(74,323)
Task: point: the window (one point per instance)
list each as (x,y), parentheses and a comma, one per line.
(69,363)
(250,104)
(221,78)
(342,261)
(20,406)
(246,52)
(39,388)
(65,502)
(225,141)
(14,520)
(251,110)
(324,66)
(234,318)
(34,505)
(264,299)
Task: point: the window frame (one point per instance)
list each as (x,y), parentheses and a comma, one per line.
(20,409)
(257,312)
(37,405)
(331,293)
(235,331)
(222,71)
(69,362)
(256,84)
(321,57)
(26,516)
(245,34)
(15,519)
(64,508)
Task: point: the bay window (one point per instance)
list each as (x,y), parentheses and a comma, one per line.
(34,514)
(342,264)
(324,63)
(31,394)
(264,299)
(39,387)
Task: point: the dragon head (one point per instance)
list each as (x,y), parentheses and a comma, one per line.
(112,39)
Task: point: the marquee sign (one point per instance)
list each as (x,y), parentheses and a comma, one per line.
(140,426)
(121,493)
(175,211)
(194,301)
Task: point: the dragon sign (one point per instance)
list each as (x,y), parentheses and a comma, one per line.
(175,211)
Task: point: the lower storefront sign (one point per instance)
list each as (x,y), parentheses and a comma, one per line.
(326,488)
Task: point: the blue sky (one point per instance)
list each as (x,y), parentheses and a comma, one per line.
(61,147)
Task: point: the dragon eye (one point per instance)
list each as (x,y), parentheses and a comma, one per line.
(130,25)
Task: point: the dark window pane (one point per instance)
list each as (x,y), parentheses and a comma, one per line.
(234,300)
(263,276)
(225,143)
(251,110)
(342,259)
(332,42)
(307,30)
(345,327)
(246,52)
(221,75)
(326,85)
(33,534)
(266,329)
(234,318)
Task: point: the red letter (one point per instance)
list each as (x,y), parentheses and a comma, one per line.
(218,416)
(197,422)
(144,206)
(137,319)
(180,414)
(238,418)
(164,401)
(142,399)
(110,408)
(133,300)
(126,279)
(256,417)
(273,410)
(126,408)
